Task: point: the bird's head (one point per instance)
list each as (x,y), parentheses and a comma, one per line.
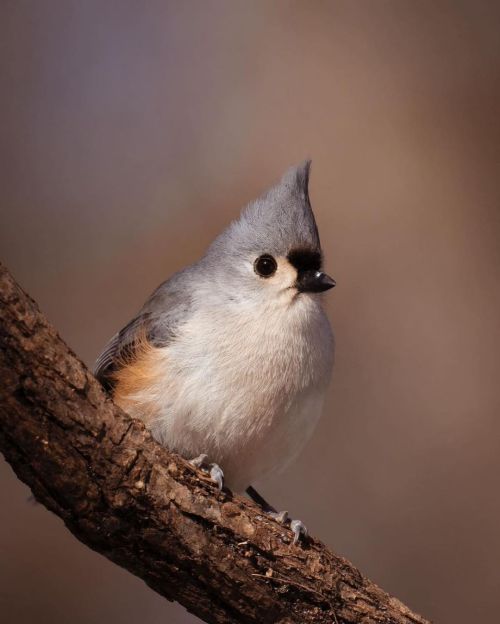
(272,252)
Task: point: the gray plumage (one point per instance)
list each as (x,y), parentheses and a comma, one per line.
(280,220)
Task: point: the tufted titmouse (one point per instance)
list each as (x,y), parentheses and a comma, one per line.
(230,358)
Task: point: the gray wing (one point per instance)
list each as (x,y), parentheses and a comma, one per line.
(158,321)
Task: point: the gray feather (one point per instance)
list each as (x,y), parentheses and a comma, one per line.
(158,320)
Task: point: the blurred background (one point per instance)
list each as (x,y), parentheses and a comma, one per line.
(133,132)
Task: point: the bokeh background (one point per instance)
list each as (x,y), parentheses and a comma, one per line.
(132,132)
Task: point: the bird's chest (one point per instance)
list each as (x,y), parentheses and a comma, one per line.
(247,369)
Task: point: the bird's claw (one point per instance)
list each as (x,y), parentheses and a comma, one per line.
(299,530)
(217,475)
(280,516)
(200,462)
(297,527)
(214,470)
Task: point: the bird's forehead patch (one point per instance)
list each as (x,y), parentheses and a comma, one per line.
(305,259)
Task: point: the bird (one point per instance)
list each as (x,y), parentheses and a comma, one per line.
(228,361)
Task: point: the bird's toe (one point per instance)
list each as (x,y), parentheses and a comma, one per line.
(280,516)
(217,475)
(200,462)
(299,530)
(297,527)
(214,470)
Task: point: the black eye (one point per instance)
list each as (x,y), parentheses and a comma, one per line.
(265,265)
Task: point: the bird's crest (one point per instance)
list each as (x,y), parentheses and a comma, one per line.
(278,221)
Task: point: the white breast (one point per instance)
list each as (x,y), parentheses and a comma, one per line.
(245,388)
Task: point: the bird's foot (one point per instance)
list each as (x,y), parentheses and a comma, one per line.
(297,527)
(214,470)
(299,530)
(280,516)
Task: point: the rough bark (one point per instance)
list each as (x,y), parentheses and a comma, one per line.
(147,509)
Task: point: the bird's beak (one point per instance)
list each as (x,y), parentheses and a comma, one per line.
(314,281)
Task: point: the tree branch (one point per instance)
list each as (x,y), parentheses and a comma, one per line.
(147,509)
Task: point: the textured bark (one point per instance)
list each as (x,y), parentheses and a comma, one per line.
(147,509)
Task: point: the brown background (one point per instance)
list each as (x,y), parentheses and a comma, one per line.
(132,132)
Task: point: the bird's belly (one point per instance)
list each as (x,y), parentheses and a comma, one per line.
(246,437)
(272,450)
(248,400)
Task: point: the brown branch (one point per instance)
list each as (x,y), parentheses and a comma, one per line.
(147,509)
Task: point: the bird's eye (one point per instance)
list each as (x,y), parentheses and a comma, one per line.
(265,265)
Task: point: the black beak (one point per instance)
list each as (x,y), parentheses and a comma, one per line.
(314,281)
